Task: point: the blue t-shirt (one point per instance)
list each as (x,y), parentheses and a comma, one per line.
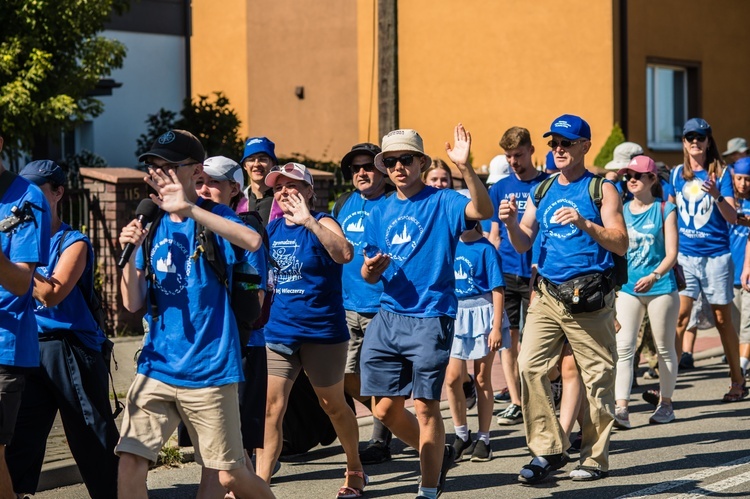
(194,341)
(702,228)
(307,307)
(27,243)
(420,234)
(258,260)
(513,262)
(72,314)
(737,241)
(359,296)
(647,248)
(565,251)
(477,268)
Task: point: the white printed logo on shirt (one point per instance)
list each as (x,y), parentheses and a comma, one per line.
(463,271)
(171,265)
(401,236)
(290,268)
(694,203)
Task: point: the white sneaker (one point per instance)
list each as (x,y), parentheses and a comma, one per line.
(622,418)
(663,414)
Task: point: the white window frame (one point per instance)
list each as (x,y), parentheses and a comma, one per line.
(664,100)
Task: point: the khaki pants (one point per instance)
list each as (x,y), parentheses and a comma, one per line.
(592,338)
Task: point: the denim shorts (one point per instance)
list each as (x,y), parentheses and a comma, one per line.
(712,275)
(406,356)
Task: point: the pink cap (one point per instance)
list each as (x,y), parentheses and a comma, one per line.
(642,164)
(295,171)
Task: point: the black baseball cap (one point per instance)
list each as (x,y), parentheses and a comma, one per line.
(176,146)
(363,148)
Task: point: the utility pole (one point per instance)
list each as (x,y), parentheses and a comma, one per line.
(387,66)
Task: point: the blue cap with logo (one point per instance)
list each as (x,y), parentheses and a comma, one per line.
(697,125)
(255,145)
(43,171)
(742,166)
(571,127)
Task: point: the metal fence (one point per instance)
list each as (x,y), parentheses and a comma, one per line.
(74,209)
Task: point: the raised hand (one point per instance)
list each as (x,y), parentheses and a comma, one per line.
(508,210)
(296,210)
(459,153)
(170,195)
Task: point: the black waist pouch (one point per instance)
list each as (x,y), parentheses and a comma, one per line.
(583,293)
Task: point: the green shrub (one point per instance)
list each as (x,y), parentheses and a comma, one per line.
(616,137)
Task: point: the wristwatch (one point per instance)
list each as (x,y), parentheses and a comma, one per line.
(720,199)
(658,275)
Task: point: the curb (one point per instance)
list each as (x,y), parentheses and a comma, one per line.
(65,472)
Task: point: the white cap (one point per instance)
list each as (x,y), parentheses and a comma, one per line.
(223,168)
(622,155)
(499,169)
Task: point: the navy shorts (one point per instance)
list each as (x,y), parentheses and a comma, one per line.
(406,356)
(517,292)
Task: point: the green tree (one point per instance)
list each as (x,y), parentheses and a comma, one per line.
(213,121)
(51,57)
(616,137)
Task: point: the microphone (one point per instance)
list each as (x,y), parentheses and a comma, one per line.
(145,214)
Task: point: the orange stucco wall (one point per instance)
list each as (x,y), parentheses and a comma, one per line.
(259,51)
(715,34)
(219,58)
(493,65)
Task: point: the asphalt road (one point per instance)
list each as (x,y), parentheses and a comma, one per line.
(705,452)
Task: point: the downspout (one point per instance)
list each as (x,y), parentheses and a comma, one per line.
(188,33)
(624,89)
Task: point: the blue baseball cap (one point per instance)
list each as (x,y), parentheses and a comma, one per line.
(571,127)
(43,171)
(255,145)
(742,166)
(697,125)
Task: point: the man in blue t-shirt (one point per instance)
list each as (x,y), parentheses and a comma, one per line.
(190,363)
(516,142)
(361,300)
(410,246)
(576,238)
(24,245)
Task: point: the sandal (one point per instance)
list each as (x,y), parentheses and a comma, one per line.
(541,472)
(347,492)
(587,474)
(735,397)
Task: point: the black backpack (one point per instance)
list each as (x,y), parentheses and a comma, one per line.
(596,193)
(91,295)
(244,299)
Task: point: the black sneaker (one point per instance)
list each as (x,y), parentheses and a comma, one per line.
(510,416)
(470,391)
(686,361)
(376,452)
(461,446)
(502,396)
(482,452)
(449,459)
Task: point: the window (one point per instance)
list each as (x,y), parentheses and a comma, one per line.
(670,96)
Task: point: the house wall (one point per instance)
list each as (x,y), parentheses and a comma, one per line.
(715,35)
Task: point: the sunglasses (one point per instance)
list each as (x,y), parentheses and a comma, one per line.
(695,136)
(406,160)
(289,168)
(368,167)
(635,176)
(564,143)
(169,166)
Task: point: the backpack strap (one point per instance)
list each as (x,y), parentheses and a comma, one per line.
(596,191)
(209,247)
(542,188)
(148,243)
(6,179)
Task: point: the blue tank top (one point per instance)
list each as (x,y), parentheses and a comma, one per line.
(647,248)
(307,306)
(72,314)
(565,251)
